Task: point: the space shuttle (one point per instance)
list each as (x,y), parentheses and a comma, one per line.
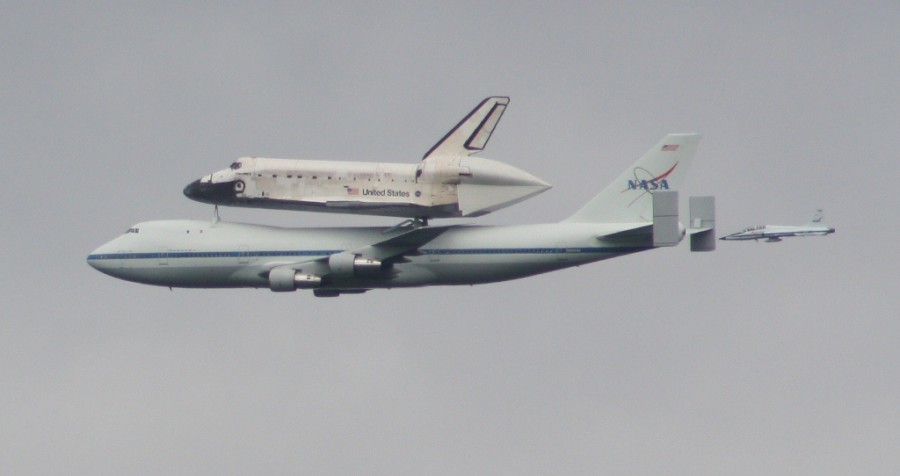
(448,182)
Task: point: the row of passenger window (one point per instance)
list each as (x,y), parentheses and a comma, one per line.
(316,177)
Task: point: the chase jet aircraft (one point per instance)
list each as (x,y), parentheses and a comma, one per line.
(636,212)
(774,233)
(448,182)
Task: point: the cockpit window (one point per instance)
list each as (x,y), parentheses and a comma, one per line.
(235,165)
(132,230)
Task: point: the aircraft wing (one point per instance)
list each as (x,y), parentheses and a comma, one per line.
(472,133)
(390,249)
(405,243)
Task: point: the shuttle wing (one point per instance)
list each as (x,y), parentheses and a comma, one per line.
(472,133)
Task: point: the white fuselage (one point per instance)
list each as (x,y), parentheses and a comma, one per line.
(777,232)
(182,253)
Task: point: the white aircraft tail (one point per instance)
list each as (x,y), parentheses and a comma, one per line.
(629,198)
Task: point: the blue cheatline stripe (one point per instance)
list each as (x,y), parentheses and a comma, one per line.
(448,251)
(533,251)
(211,254)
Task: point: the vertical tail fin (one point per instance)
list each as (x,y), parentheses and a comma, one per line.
(817,217)
(472,133)
(628,199)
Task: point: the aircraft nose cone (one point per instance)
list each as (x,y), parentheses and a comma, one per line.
(213,193)
(192,190)
(91,260)
(102,259)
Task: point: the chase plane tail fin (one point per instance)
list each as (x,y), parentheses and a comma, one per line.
(817,217)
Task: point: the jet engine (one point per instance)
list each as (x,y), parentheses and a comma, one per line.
(287,279)
(345,265)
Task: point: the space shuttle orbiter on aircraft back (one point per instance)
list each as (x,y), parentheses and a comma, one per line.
(448,182)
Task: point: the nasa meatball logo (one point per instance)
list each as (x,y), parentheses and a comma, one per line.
(647,181)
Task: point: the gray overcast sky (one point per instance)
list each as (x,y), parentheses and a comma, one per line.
(755,359)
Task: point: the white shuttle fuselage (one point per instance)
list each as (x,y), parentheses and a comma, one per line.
(439,187)
(448,182)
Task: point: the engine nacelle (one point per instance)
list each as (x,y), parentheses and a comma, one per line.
(347,264)
(287,279)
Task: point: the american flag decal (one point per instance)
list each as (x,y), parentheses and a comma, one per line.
(670,148)
(352,191)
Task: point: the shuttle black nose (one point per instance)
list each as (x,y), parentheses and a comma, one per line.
(222,193)
(193,190)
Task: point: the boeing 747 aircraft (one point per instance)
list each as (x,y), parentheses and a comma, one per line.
(448,182)
(774,233)
(637,212)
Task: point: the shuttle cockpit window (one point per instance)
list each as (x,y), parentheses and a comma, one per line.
(132,230)
(235,165)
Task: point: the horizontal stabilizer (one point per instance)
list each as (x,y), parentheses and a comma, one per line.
(472,133)
(665,219)
(703,223)
(640,231)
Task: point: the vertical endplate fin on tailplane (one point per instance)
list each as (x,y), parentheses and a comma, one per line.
(703,223)
(665,219)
